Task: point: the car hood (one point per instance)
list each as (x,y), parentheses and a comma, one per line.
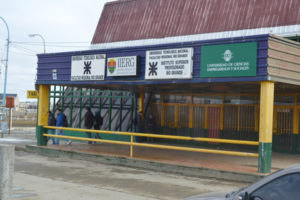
(209,196)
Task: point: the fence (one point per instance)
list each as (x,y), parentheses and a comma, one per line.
(160,146)
(229,116)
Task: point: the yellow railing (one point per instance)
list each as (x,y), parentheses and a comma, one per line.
(132,143)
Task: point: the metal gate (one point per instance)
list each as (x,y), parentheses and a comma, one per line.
(283,128)
(213,121)
(118,108)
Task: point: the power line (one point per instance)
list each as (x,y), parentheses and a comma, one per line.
(23,49)
(51,42)
(52,45)
(26,52)
(23,54)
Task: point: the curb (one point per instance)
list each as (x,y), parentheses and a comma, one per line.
(200,172)
(20,148)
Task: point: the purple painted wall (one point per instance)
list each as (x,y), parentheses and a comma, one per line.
(62,63)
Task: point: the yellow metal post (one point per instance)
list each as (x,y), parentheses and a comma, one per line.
(239,117)
(206,118)
(141,102)
(42,114)
(222,114)
(275,119)
(266,126)
(191,116)
(162,111)
(191,113)
(295,125)
(295,117)
(131,146)
(256,113)
(176,116)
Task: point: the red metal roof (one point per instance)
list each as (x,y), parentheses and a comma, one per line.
(143,19)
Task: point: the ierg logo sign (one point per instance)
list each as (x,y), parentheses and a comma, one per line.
(227,55)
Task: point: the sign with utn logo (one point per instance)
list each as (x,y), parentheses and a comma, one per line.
(169,64)
(121,66)
(32,94)
(229,60)
(88,67)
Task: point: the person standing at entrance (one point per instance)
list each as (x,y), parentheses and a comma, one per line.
(98,123)
(89,122)
(139,126)
(150,127)
(51,122)
(60,122)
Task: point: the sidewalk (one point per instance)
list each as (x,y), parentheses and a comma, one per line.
(203,164)
(194,159)
(143,156)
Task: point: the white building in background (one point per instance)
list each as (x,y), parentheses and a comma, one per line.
(29,106)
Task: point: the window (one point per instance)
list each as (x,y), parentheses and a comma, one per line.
(284,100)
(239,100)
(207,100)
(156,98)
(282,188)
(177,99)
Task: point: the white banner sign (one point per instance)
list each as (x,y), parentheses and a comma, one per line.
(169,64)
(121,66)
(88,67)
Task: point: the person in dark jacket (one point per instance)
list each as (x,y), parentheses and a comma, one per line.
(51,122)
(98,123)
(150,126)
(60,121)
(89,120)
(139,127)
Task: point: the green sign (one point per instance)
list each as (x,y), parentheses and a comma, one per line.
(229,60)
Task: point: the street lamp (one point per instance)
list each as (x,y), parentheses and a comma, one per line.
(5,78)
(33,35)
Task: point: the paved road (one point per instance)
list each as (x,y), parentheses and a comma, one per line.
(45,178)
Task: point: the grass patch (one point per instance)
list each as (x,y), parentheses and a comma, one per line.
(23,123)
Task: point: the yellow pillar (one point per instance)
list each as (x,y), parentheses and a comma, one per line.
(206,118)
(176,116)
(42,114)
(191,117)
(141,103)
(239,117)
(43,105)
(295,125)
(266,126)
(295,117)
(191,113)
(222,114)
(256,113)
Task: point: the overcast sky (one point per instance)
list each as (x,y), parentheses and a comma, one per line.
(66,25)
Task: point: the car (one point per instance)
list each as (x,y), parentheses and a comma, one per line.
(281,185)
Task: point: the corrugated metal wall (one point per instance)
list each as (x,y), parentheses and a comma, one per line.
(284,60)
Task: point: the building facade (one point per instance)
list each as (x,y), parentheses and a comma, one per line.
(205,69)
